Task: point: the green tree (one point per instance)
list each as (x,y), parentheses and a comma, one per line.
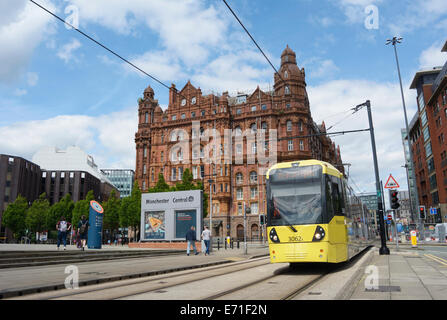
(36,216)
(205,198)
(187,182)
(15,215)
(123,212)
(161,185)
(134,209)
(82,207)
(111,212)
(63,208)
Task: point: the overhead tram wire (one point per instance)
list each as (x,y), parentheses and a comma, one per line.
(254,41)
(103,46)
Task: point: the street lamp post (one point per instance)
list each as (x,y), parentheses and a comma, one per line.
(211,211)
(394,41)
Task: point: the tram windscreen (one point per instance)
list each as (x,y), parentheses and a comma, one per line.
(295,196)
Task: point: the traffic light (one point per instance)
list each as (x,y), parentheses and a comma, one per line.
(394,200)
(261,219)
(422,212)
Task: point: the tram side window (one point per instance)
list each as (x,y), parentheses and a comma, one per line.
(336,198)
(329,205)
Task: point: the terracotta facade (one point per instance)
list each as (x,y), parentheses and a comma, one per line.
(237,177)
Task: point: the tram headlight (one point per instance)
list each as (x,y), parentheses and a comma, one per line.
(273,236)
(319,234)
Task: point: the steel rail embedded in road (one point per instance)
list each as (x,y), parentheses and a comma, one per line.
(93,292)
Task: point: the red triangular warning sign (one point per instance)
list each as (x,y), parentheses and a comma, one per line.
(391,183)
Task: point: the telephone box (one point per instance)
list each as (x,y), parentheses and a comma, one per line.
(95,219)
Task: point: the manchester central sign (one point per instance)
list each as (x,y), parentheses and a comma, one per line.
(169,215)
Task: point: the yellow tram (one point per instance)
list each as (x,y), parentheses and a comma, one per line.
(313,215)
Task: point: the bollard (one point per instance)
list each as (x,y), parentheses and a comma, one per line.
(225,245)
(218,244)
(238,244)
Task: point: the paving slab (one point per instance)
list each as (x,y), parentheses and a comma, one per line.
(31,279)
(407,275)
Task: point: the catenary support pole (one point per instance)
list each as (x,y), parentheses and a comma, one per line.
(383,249)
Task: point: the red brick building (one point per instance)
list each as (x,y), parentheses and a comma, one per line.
(428,134)
(237,179)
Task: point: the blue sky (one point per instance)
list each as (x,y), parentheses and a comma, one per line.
(58,88)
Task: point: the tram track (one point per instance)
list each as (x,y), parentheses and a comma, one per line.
(115,290)
(254,279)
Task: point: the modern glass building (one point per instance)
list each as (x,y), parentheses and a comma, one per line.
(371,202)
(122,179)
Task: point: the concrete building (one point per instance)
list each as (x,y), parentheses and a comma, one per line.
(371,202)
(189,118)
(17,177)
(428,130)
(71,171)
(122,179)
(410,181)
(403,212)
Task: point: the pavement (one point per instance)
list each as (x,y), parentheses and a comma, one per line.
(406,274)
(26,280)
(53,247)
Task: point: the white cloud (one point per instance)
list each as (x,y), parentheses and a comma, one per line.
(20,92)
(433,57)
(161,65)
(66,53)
(419,14)
(355,9)
(234,72)
(188,29)
(326,68)
(108,138)
(23,27)
(336,97)
(32,78)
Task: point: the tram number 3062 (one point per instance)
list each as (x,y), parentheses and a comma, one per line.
(295,239)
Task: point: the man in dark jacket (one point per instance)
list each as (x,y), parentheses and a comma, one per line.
(191,240)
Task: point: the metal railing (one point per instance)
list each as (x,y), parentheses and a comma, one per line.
(439,78)
(221,243)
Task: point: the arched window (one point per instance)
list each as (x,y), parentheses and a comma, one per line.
(173,135)
(238,131)
(286,74)
(253,128)
(240,232)
(287,90)
(146,117)
(264,126)
(253,177)
(239,178)
(300,126)
(254,232)
(289,125)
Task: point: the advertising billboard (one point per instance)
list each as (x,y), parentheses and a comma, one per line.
(154,225)
(183,221)
(167,216)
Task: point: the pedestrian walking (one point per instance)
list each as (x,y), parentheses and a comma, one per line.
(206,236)
(62,228)
(83,231)
(191,240)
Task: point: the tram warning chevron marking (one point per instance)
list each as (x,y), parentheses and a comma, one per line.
(391,184)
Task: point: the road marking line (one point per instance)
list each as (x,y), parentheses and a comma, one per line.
(437,259)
